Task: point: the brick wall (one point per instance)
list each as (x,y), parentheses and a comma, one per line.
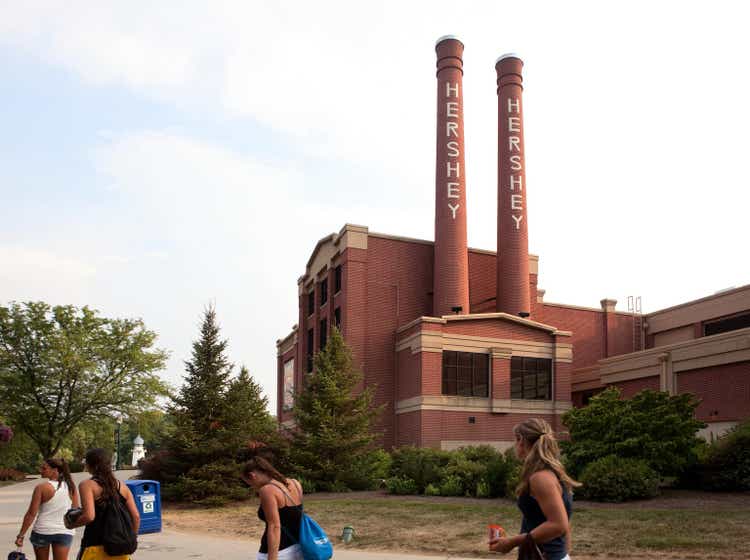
(724,391)
(497,329)
(440,426)
(634,386)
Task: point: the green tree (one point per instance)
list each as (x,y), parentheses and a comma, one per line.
(653,426)
(201,398)
(246,409)
(332,436)
(60,366)
(215,416)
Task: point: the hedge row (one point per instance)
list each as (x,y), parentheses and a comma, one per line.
(482,472)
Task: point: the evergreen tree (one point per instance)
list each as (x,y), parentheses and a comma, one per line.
(215,416)
(246,409)
(332,438)
(201,398)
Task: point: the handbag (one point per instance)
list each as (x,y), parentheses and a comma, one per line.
(529,550)
(17,555)
(71,516)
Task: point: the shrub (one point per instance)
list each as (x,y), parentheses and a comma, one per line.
(432,490)
(653,426)
(367,471)
(616,479)
(464,474)
(424,466)
(76,466)
(483,489)
(308,486)
(401,486)
(212,484)
(12,474)
(452,486)
(726,465)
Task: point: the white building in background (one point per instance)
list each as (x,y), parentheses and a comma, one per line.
(139,452)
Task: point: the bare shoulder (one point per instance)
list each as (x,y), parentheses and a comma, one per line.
(88,484)
(543,481)
(44,489)
(268,490)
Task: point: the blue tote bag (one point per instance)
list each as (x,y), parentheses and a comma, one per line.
(313,540)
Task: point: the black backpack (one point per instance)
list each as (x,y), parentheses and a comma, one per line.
(118,538)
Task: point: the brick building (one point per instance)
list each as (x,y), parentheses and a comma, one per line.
(459,342)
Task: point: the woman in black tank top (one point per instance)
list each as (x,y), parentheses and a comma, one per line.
(280,509)
(544,493)
(95,492)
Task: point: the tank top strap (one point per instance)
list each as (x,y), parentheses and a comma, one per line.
(286,494)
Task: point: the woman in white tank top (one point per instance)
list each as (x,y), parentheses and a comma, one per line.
(49,502)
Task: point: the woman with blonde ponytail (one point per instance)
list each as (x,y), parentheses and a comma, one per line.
(544,493)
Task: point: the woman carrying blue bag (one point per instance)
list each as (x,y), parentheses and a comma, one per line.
(290,534)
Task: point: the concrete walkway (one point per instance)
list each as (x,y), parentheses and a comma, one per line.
(167,545)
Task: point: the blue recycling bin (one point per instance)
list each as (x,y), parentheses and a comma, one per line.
(147,496)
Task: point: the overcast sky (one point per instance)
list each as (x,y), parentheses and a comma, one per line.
(156,157)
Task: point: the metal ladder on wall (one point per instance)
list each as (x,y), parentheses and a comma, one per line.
(635,309)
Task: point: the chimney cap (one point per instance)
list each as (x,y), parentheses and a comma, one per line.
(446,38)
(507,55)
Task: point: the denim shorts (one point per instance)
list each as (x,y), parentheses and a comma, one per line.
(38,540)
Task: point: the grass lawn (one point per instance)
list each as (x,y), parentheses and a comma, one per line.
(688,527)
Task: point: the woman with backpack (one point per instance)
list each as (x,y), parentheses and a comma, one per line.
(49,502)
(280,509)
(102,496)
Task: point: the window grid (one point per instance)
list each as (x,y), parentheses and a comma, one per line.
(465,374)
(530,378)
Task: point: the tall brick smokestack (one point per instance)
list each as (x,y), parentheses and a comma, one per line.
(451,272)
(512,232)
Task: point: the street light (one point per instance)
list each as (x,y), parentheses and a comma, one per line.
(117,442)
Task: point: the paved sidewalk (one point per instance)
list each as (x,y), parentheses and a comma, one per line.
(167,545)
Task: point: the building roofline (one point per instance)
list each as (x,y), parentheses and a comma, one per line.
(716,295)
(484,316)
(582,307)
(281,341)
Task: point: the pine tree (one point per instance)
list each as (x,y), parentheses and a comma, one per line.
(246,409)
(215,416)
(202,396)
(332,437)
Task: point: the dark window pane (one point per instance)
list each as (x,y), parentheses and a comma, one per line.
(311,302)
(337,318)
(323,291)
(450,358)
(726,325)
(464,380)
(310,342)
(516,389)
(323,333)
(530,378)
(337,279)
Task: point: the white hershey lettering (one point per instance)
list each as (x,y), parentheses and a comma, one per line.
(453,190)
(453,209)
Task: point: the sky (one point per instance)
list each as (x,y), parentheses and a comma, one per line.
(156,158)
